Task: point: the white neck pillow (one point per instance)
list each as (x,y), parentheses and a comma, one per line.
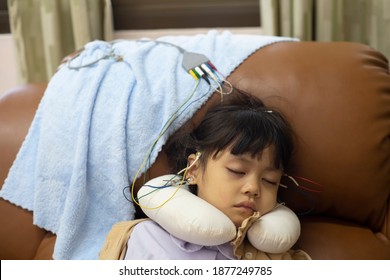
(194,220)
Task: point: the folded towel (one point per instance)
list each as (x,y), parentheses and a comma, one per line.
(95,125)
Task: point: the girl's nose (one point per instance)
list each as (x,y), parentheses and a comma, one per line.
(252,189)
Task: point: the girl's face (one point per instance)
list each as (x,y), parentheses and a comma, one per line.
(238,185)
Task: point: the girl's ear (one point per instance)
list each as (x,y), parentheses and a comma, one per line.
(193,168)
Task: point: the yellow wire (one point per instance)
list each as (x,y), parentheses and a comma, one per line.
(168,199)
(171,119)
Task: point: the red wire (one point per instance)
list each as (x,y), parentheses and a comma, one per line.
(307,180)
(313,182)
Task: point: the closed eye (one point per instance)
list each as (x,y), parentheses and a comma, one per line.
(270,182)
(236,172)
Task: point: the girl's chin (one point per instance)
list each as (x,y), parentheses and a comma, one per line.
(238,222)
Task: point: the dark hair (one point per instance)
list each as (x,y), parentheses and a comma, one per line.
(241,122)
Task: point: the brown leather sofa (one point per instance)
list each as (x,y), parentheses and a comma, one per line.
(337,98)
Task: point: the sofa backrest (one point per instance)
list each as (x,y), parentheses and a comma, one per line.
(337,98)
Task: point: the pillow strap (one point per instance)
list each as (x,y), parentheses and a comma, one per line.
(238,243)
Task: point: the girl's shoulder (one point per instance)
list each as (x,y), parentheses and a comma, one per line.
(147,226)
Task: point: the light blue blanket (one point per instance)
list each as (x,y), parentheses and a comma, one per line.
(95,125)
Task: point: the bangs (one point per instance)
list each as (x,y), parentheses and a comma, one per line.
(241,125)
(250,132)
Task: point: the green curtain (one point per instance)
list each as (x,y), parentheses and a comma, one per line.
(45,31)
(364,21)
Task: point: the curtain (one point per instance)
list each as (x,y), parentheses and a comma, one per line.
(363,21)
(45,31)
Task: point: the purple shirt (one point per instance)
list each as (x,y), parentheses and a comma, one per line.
(149,241)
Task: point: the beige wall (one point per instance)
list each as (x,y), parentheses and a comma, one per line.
(8,70)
